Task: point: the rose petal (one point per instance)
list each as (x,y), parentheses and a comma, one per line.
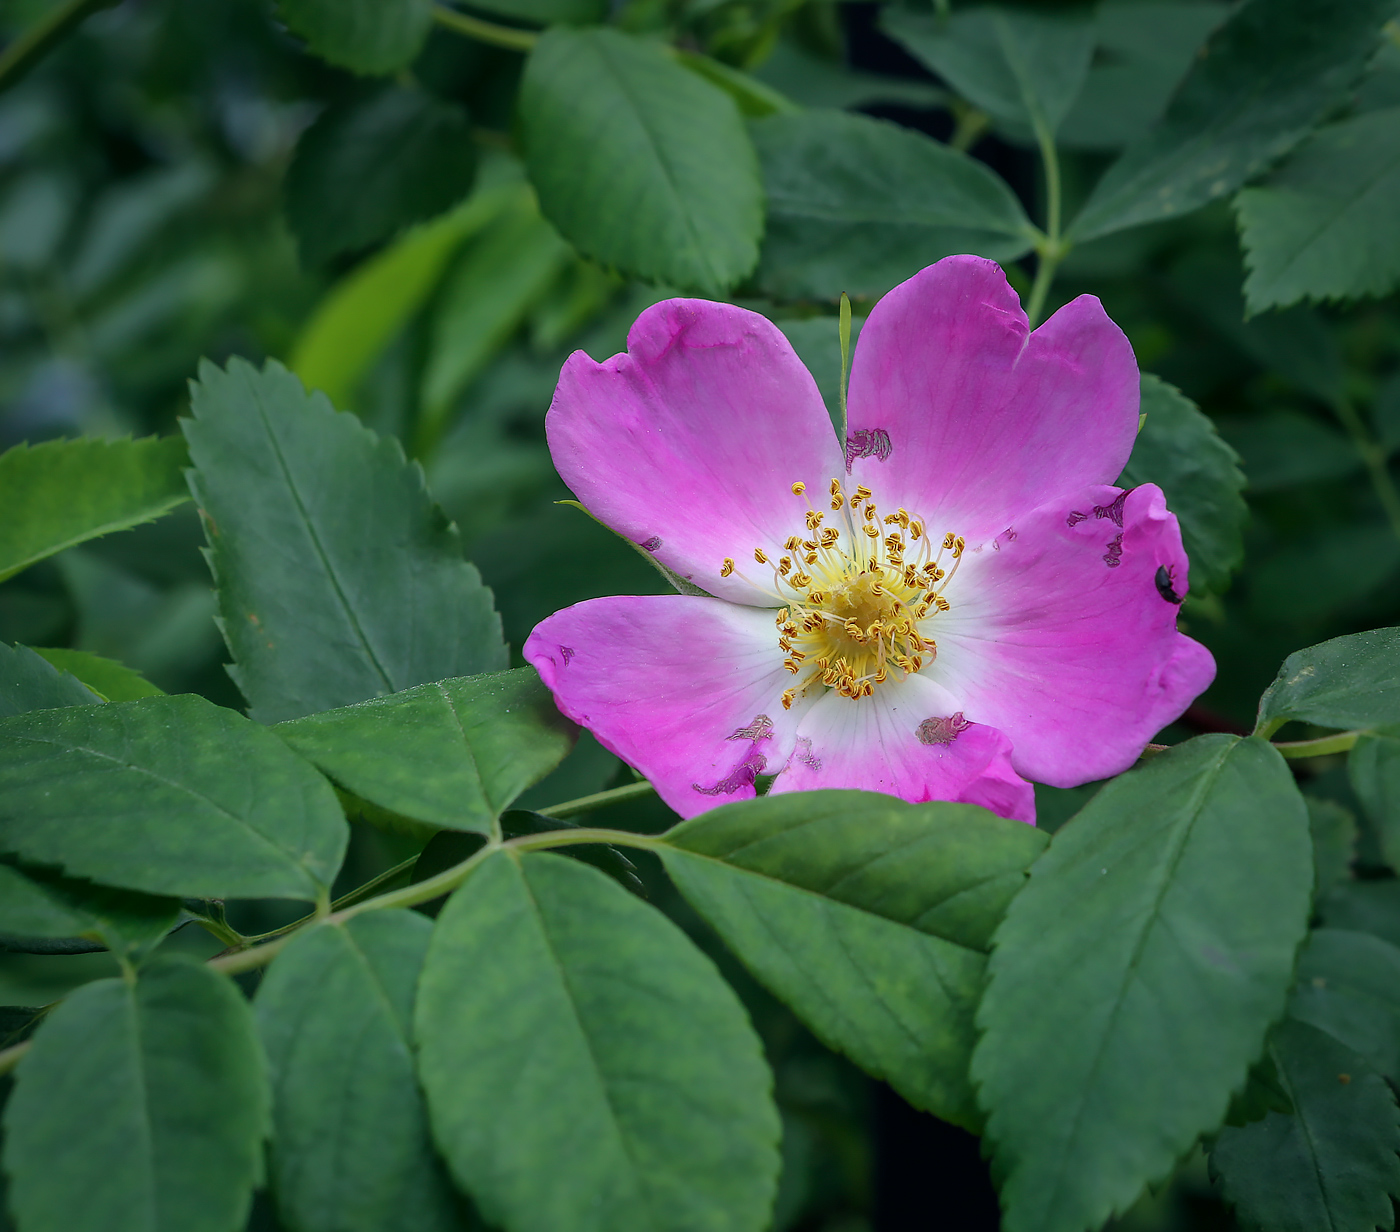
(690,442)
(1062,633)
(966,421)
(906,740)
(687,690)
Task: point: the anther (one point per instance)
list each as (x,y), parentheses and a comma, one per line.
(759,556)
(784,564)
(814,518)
(788,695)
(798,488)
(872,531)
(728,567)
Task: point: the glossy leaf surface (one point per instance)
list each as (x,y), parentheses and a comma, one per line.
(28,682)
(1351,681)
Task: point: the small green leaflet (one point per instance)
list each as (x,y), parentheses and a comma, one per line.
(60,493)
(1349,986)
(42,905)
(1330,1164)
(857,205)
(1351,681)
(1022,67)
(28,682)
(1148,954)
(339,579)
(169,795)
(586,1067)
(350,1149)
(112,681)
(642,165)
(366,36)
(1323,225)
(1257,88)
(455,753)
(870,917)
(141,1107)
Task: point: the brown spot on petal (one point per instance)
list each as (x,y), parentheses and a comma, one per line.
(867,443)
(1114,556)
(942,731)
(1113,512)
(743,775)
(760,729)
(804,754)
(652,544)
(566,653)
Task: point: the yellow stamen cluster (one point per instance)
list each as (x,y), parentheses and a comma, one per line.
(856,595)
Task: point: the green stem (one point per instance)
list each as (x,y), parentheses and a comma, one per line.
(1321,747)
(485,31)
(10,1057)
(970,125)
(1052,250)
(587,804)
(1374,457)
(46,33)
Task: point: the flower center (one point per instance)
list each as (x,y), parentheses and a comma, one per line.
(858,594)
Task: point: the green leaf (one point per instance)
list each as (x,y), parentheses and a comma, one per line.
(1141,53)
(1022,67)
(856,205)
(1179,450)
(65,492)
(752,96)
(366,36)
(1323,225)
(363,312)
(500,277)
(368,168)
(351,1150)
(1351,681)
(1374,767)
(1334,842)
(1258,87)
(140,1107)
(28,683)
(455,753)
(339,579)
(1364,906)
(639,163)
(110,680)
(586,1068)
(1349,986)
(870,917)
(1147,955)
(1332,1164)
(36,904)
(170,795)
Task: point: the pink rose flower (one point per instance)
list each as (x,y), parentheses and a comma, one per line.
(951,602)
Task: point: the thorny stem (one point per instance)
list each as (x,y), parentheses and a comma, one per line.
(36,42)
(485,31)
(1373,455)
(1052,249)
